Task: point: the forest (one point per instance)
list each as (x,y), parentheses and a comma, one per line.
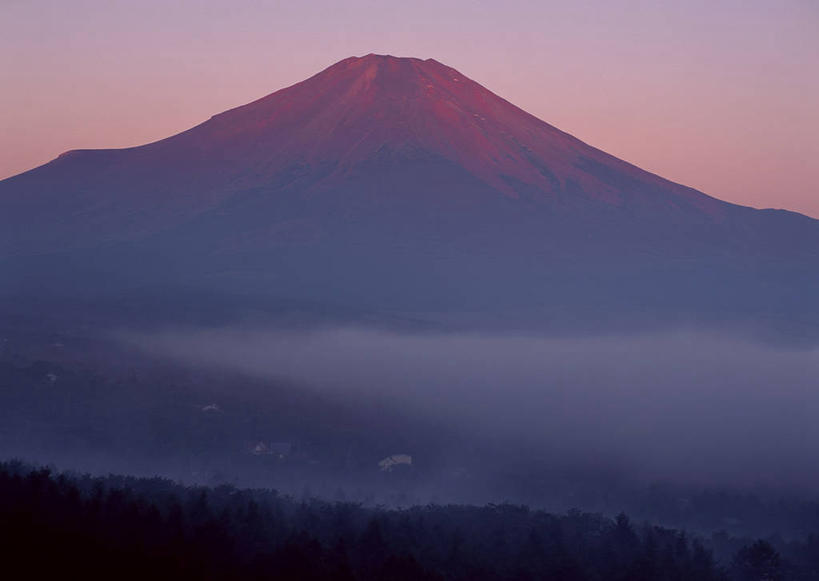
(57,524)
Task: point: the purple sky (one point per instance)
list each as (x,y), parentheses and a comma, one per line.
(722,96)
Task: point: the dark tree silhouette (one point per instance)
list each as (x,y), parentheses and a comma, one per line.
(54,525)
(758,562)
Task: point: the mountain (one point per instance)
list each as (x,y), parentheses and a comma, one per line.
(399,185)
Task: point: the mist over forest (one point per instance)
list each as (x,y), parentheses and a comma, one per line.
(688,407)
(709,432)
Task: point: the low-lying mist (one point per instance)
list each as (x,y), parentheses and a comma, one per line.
(688,408)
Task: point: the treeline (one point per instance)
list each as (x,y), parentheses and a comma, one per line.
(120,527)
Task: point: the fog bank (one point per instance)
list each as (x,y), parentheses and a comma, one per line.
(687,407)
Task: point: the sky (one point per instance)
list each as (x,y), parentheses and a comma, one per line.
(721,96)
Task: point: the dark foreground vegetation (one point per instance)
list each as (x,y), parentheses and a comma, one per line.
(122,527)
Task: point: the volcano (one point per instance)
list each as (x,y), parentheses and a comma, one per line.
(399,185)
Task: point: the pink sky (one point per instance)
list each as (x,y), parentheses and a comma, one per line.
(722,96)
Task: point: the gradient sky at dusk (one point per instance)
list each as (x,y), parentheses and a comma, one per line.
(722,96)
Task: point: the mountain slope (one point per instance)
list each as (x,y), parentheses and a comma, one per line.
(395,183)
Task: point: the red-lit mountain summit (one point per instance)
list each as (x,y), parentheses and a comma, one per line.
(397,183)
(325,129)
